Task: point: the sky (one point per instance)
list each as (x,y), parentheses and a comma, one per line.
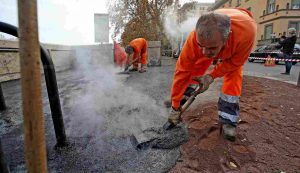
(68,22)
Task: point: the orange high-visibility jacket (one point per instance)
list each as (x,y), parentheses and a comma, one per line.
(235,52)
(140,49)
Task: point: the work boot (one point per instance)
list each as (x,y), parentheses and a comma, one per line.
(228,132)
(143,68)
(133,69)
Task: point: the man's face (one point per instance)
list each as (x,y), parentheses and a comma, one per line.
(211,43)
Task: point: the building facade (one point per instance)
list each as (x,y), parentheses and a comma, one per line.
(273,17)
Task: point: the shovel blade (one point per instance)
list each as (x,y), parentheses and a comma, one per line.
(168,126)
(124,72)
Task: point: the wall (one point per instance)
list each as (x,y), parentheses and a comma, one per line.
(66,57)
(62,56)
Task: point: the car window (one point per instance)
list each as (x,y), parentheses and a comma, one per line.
(269,47)
(260,49)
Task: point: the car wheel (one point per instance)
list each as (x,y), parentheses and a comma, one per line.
(250,60)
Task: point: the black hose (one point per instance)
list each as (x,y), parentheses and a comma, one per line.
(52,88)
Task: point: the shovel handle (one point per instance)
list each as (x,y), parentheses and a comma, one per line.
(127,67)
(186,105)
(191,99)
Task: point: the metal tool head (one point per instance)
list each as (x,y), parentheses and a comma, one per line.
(124,72)
(168,125)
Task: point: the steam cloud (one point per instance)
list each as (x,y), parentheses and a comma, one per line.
(173,29)
(106,105)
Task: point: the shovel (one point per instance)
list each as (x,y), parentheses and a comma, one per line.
(126,70)
(168,125)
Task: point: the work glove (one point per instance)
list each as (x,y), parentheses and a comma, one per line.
(174,116)
(204,81)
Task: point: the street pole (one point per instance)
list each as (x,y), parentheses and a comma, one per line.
(2,100)
(35,150)
(298,83)
(3,165)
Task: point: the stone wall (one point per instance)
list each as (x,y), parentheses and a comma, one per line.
(63,57)
(66,57)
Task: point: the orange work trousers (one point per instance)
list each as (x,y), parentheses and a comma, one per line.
(233,82)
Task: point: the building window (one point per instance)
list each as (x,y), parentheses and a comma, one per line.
(271,6)
(277,7)
(295,4)
(296,25)
(287,6)
(268,31)
(230,3)
(238,2)
(264,12)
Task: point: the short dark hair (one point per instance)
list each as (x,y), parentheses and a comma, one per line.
(129,49)
(211,19)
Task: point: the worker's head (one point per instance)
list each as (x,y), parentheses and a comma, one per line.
(129,50)
(212,31)
(292,31)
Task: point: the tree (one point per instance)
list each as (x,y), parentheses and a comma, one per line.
(186,8)
(139,18)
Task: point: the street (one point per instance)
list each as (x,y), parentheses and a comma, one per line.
(258,69)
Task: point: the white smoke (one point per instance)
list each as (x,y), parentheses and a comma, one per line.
(106,105)
(175,30)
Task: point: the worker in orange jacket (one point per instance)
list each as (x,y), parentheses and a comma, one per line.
(226,34)
(137,54)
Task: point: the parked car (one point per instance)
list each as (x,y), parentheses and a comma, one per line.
(261,54)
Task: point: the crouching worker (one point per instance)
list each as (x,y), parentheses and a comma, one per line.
(137,55)
(226,34)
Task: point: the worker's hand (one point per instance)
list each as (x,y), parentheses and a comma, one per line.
(204,82)
(174,116)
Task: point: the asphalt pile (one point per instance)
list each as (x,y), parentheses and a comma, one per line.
(160,138)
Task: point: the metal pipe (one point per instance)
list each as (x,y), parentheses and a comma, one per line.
(3,165)
(54,101)
(2,100)
(34,128)
(52,89)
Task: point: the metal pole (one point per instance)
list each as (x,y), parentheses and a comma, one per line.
(2,100)
(34,129)
(3,165)
(298,83)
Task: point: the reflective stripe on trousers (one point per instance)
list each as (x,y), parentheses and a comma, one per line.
(229,109)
